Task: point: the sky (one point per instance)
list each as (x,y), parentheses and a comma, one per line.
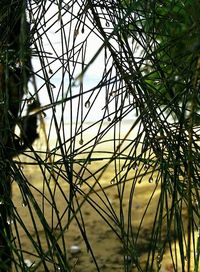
(63,40)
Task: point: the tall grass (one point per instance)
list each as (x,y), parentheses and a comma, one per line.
(111,100)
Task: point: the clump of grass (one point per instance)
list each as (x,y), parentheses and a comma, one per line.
(115,95)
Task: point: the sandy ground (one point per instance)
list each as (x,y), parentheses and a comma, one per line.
(114,212)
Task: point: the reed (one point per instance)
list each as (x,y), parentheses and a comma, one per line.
(111,88)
